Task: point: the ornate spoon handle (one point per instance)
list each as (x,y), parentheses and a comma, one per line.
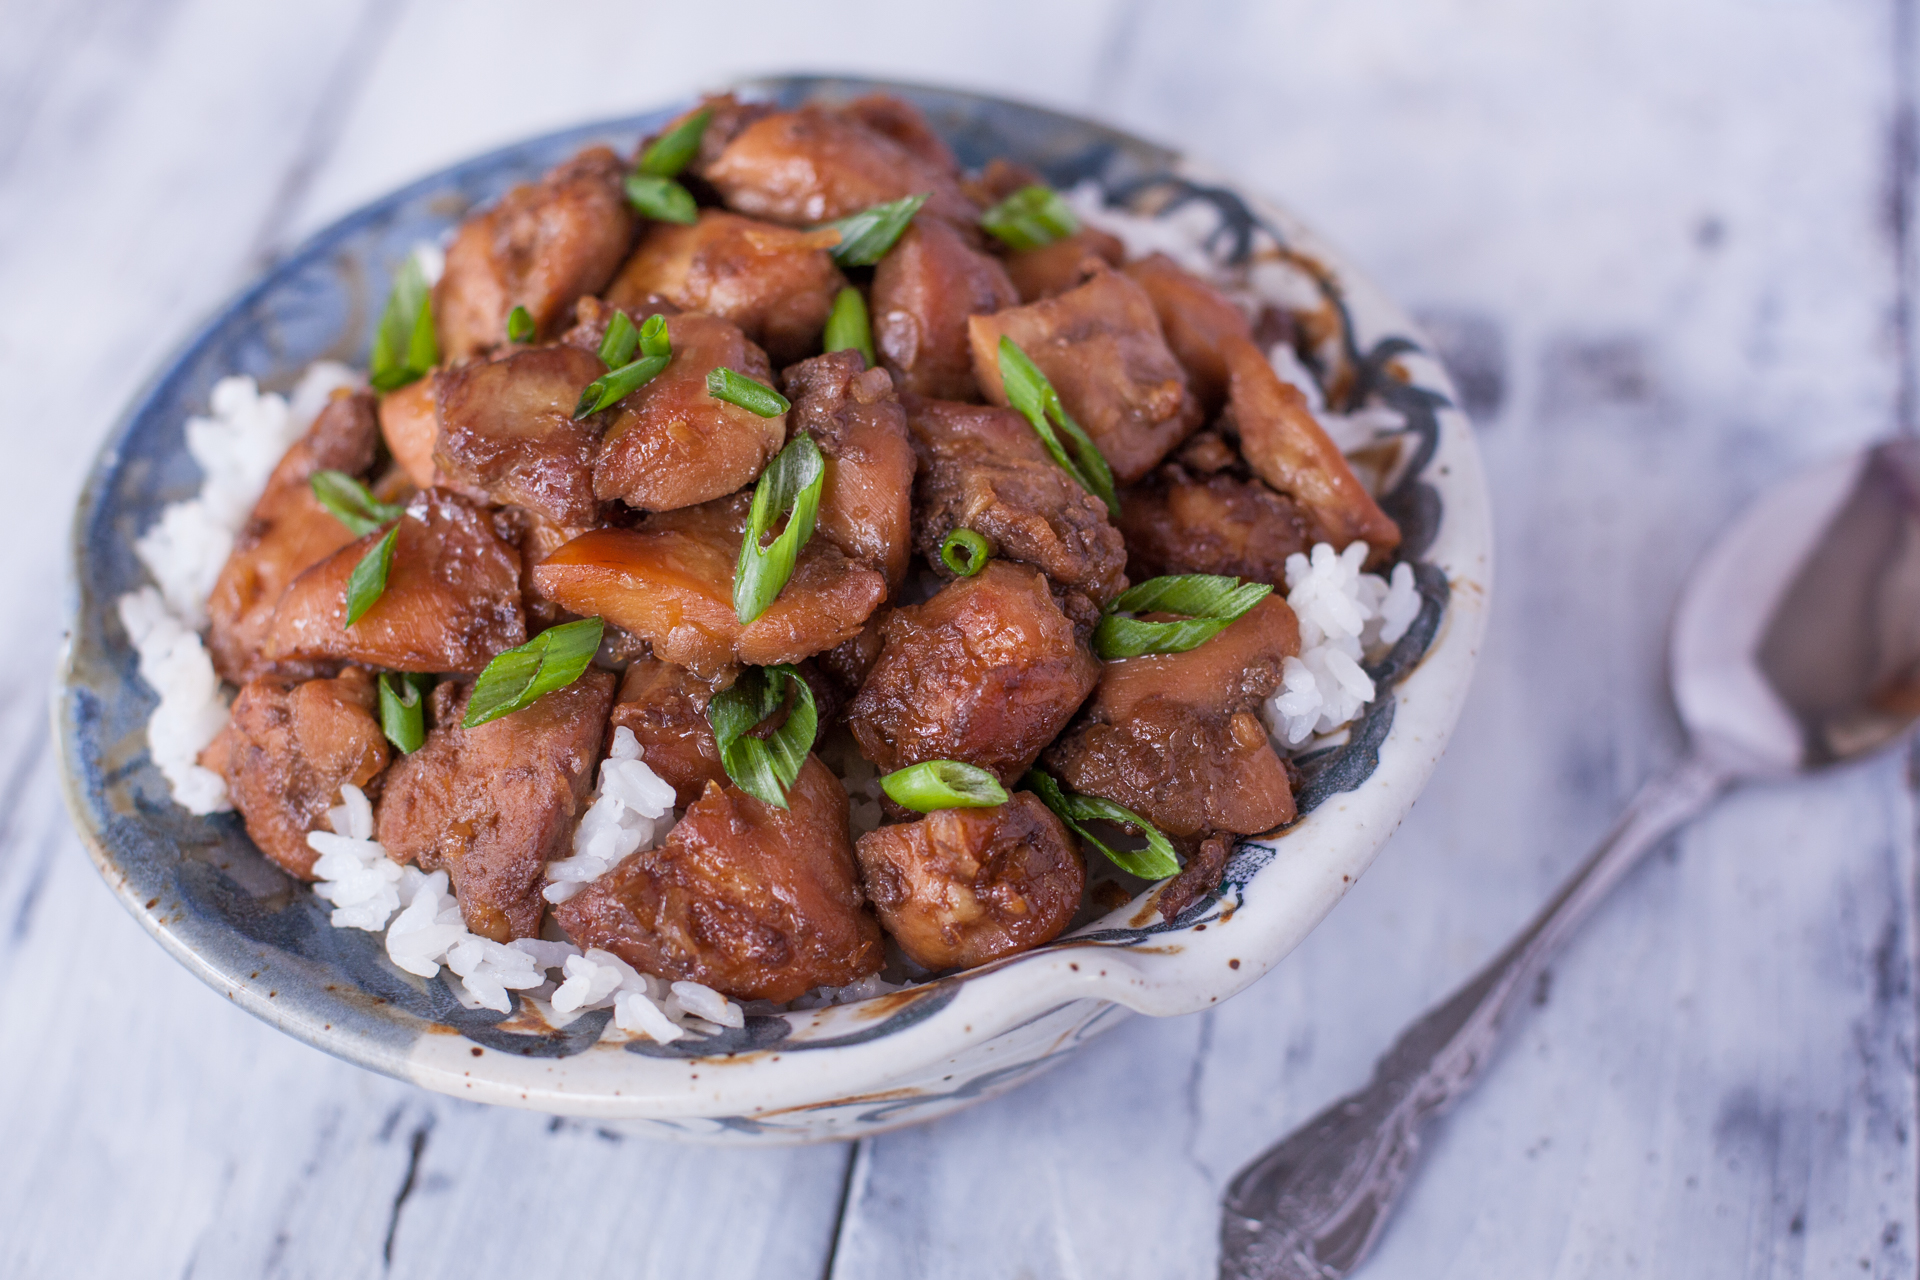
(1311,1207)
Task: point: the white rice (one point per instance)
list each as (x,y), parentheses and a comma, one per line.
(632,810)
(1343,615)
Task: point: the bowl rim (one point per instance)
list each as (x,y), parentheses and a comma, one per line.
(1171,970)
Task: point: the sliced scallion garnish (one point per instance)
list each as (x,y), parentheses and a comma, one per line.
(1155,862)
(847,326)
(764,766)
(519,325)
(674,150)
(516,679)
(943,784)
(616,384)
(792,481)
(403,710)
(368,582)
(351,503)
(1029,391)
(619,341)
(1210,602)
(738,389)
(653,337)
(661,199)
(965,552)
(866,236)
(404,346)
(1030,218)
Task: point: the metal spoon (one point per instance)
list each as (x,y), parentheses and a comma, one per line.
(1796,646)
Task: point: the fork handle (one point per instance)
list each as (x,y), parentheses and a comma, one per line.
(1312,1206)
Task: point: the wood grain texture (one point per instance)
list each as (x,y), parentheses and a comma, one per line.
(1666,250)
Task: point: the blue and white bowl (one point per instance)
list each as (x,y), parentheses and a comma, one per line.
(253,933)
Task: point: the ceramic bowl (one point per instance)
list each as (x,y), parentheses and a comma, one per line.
(257,936)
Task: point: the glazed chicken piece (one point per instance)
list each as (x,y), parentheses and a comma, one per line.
(961,887)
(288,748)
(410,423)
(923,292)
(845,666)
(288,532)
(866,500)
(1177,737)
(670,444)
(666,708)
(1199,323)
(1176,522)
(505,428)
(756,902)
(776,283)
(1101,347)
(901,120)
(671,583)
(1286,446)
(818,163)
(492,805)
(988,672)
(1055,268)
(984,469)
(543,246)
(452,599)
(726,117)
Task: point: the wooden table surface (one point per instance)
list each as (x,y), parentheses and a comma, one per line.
(1667,249)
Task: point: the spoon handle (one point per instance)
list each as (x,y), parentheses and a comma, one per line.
(1312,1206)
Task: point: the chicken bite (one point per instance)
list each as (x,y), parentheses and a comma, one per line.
(775,283)
(451,603)
(757,902)
(544,246)
(1100,345)
(1055,268)
(665,706)
(987,672)
(924,290)
(866,498)
(1286,446)
(984,469)
(492,805)
(670,444)
(1177,737)
(818,163)
(961,887)
(1199,323)
(287,749)
(1176,522)
(671,583)
(505,427)
(288,533)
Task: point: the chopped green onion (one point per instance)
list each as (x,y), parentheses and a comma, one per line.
(793,480)
(519,325)
(351,503)
(404,347)
(518,678)
(847,326)
(612,387)
(1029,391)
(674,150)
(654,340)
(866,236)
(661,199)
(1030,218)
(1210,602)
(764,765)
(368,582)
(403,696)
(739,389)
(1155,862)
(943,784)
(965,552)
(616,346)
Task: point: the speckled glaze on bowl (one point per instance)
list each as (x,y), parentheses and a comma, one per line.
(251,932)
